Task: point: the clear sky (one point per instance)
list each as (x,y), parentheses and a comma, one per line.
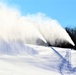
(64,11)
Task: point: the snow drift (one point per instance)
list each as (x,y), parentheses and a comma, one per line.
(31,29)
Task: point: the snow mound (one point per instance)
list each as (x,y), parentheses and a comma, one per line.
(15,48)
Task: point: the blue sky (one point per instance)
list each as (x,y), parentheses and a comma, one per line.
(64,11)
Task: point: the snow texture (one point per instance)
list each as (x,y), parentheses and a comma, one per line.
(17,58)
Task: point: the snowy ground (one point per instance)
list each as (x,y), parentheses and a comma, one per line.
(20,59)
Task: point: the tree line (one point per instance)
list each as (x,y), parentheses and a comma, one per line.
(72,34)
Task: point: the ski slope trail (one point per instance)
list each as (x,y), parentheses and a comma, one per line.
(24,59)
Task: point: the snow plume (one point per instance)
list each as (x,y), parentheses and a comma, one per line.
(50,29)
(30,29)
(14,27)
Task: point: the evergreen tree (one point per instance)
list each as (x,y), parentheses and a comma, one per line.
(72,34)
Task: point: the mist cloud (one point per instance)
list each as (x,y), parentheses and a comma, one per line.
(30,28)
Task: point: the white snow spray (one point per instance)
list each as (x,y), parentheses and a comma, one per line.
(31,29)
(50,29)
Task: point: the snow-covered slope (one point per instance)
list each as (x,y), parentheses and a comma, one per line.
(17,58)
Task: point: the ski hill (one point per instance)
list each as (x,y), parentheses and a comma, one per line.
(25,59)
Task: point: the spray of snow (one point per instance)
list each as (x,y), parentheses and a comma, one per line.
(50,29)
(32,59)
(31,29)
(14,27)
